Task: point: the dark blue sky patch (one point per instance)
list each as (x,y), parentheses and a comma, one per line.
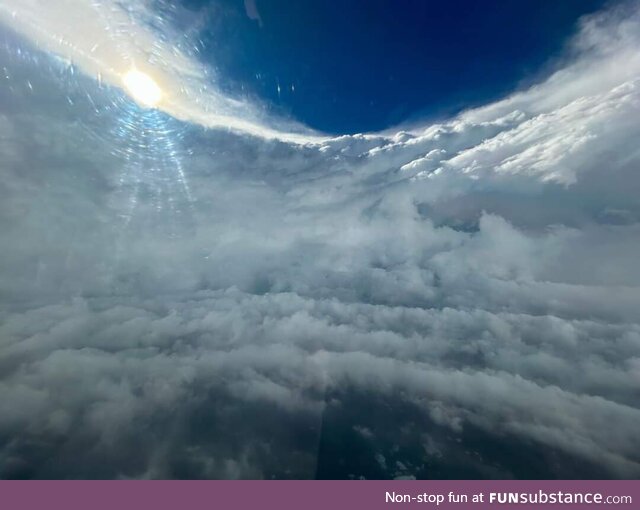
(356,65)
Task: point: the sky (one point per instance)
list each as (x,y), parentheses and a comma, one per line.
(205,286)
(354,66)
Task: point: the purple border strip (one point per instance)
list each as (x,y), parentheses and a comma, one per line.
(306,495)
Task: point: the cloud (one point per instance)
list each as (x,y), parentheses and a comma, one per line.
(178,301)
(105,39)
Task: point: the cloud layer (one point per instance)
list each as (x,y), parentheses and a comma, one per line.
(179,301)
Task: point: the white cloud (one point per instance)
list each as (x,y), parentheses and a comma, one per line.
(210,297)
(105,39)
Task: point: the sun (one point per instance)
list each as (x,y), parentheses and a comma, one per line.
(142,88)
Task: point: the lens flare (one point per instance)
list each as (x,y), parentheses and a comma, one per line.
(142,88)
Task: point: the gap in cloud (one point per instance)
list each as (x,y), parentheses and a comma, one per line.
(354,66)
(183,302)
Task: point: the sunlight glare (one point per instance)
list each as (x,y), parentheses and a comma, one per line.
(142,88)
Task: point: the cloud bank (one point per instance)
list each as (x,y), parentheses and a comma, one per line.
(105,39)
(443,301)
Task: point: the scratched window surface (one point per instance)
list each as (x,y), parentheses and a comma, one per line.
(271,239)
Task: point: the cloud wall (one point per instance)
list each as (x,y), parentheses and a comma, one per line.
(180,300)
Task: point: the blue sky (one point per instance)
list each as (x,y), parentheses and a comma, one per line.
(199,289)
(355,65)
